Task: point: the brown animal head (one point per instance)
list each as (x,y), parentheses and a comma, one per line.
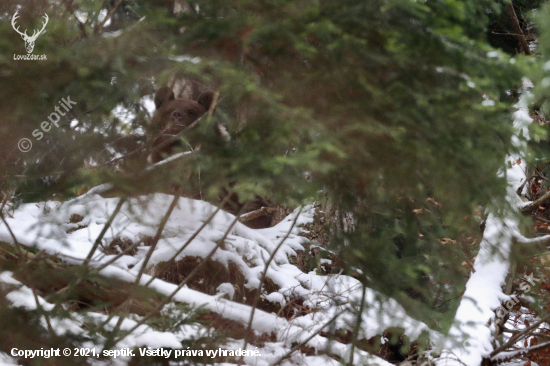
(172,116)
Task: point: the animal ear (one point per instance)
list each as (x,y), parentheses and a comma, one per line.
(163,95)
(206,98)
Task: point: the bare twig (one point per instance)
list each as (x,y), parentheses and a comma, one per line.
(71,8)
(158,235)
(214,104)
(111,342)
(357,324)
(255,214)
(517,27)
(105,228)
(181,285)
(119,255)
(536,203)
(109,15)
(520,188)
(296,347)
(264,275)
(525,351)
(15,242)
(41,309)
(132,247)
(162,224)
(132,153)
(525,332)
(5,200)
(168,141)
(191,238)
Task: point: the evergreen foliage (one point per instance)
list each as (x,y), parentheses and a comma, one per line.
(396,112)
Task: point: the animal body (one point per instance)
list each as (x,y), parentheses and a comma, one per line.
(174,115)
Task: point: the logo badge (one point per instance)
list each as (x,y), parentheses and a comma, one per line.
(29,40)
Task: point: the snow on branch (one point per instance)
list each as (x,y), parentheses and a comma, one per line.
(470,337)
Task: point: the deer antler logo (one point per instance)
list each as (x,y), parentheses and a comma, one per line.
(29,40)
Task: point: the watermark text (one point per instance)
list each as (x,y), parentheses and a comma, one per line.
(25,144)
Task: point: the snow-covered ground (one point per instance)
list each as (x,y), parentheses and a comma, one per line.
(47,226)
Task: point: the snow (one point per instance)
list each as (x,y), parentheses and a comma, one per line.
(46,226)
(470,336)
(226,289)
(6,360)
(22,296)
(185,58)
